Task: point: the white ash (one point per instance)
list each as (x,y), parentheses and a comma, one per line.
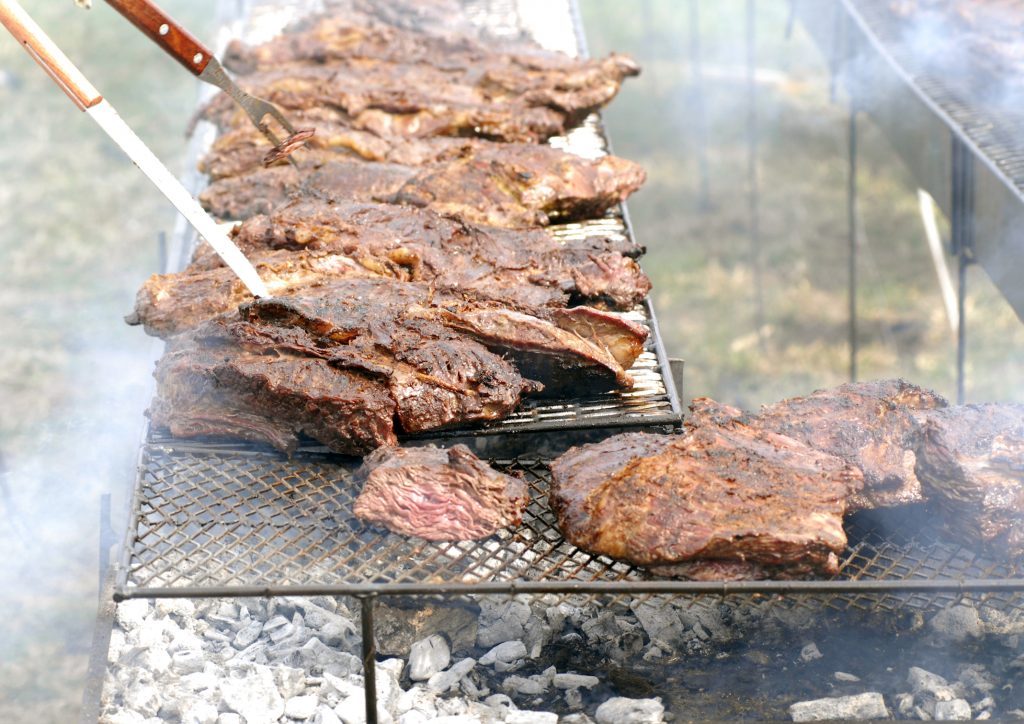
(869,705)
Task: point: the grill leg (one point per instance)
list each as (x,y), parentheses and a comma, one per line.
(369,658)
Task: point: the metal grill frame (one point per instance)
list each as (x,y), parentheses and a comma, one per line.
(889,579)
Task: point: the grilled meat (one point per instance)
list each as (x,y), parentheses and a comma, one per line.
(868,424)
(243,150)
(341,179)
(508,185)
(970,460)
(308,243)
(413,84)
(726,493)
(209,383)
(370,309)
(438,494)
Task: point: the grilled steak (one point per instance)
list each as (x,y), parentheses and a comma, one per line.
(971,461)
(342,179)
(438,494)
(353,309)
(244,150)
(726,493)
(509,97)
(508,185)
(309,243)
(208,383)
(868,424)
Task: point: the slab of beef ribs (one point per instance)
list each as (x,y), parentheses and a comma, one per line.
(308,243)
(438,494)
(244,150)
(454,91)
(507,185)
(869,424)
(725,499)
(354,318)
(211,383)
(971,461)
(310,365)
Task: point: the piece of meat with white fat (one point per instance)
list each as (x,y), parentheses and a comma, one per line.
(438,494)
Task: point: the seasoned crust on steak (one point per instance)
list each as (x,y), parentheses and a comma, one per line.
(725,491)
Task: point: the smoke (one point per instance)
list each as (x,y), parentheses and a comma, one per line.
(747,151)
(81,226)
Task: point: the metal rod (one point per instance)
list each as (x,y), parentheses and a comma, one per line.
(369,658)
(699,110)
(753,198)
(719,588)
(961,330)
(851,222)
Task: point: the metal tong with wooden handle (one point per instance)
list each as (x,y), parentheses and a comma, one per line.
(201,62)
(78,88)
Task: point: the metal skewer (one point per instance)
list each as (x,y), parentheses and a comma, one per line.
(84,95)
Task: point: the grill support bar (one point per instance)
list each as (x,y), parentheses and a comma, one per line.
(512,588)
(962,246)
(851,220)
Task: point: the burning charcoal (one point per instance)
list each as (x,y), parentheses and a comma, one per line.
(525,716)
(957,709)
(427,657)
(506,656)
(301,707)
(620,710)
(531,686)
(810,653)
(438,494)
(250,691)
(862,706)
(445,681)
(957,623)
(575,681)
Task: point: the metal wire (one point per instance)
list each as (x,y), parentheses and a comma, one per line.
(208,520)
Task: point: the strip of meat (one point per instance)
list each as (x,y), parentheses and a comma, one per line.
(209,384)
(507,185)
(727,493)
(309,243)
(970,459)
(451,86)
(438,494)
(341,179)
(870,424)
(343,310)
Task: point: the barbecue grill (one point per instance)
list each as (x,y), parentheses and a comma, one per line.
(214,518)
(965,151)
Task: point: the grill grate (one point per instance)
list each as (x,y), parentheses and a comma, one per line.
(208,519)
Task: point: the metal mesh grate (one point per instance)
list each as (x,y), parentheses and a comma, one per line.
(961,92)
(222,519)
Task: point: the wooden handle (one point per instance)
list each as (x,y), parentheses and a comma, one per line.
(165,32)
(46,53)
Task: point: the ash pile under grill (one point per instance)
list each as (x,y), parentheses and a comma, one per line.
(555,659)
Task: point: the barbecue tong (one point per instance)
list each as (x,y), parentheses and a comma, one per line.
(201,62)
(84,95)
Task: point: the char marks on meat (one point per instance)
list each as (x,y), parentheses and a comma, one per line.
(508,185)
(869,424)
(399,83)
(728,493)
(210,383)
(437,494)
(971,461)
(309,243)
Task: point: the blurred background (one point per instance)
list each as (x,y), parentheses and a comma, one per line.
(754,321)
